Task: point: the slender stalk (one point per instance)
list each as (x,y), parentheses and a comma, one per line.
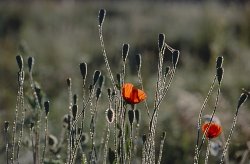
(106,145)
(207,152)
(45,138)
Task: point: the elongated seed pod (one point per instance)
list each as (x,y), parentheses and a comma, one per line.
(19,60)
(118,77)
(68,82)
(137,116)
(161,41)
(219,62)
(219,74)
(101,16)
(109,92)
(101,81)
(125,50)
(31,62)
(83,69)
(75,99)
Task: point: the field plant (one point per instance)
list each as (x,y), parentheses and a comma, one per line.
(121,140)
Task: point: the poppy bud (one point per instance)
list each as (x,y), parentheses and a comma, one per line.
(69,82)
(75,99)
(131,116)
(161,41)
(175,57)
(109,92)
(163,136)
(111,156)
(219,62)
(242,99)
(144,138)
(137,116)
(98,93)
(138,61)
(6,126)
(46,107)
(219,74)
(31,125)
(101,16)
(166,71)
(96,76)
(125,50)
(19,60)
(83,69)
(101,81)
(31,61)
(110,115)
(74,111)
(52,141)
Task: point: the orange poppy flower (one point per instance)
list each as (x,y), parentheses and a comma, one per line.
(131,94)
(213,131)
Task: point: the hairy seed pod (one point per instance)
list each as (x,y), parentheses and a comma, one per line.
(101,16)
(111,156)
(96,76)
(83,69)
(137,116)
(31,62)
(19,60)
(144,138)
(125,50)
(74,111)
(161,41)
(219,74)
(219,61)
(69,82)
(110,115)
(138,61)
(46,107)
(98,93)
(131,116)
(242,99)
(6,126)
(175,57)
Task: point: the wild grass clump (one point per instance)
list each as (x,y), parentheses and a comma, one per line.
(121,140)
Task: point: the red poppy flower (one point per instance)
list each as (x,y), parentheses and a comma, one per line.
(131,94)
(213,131)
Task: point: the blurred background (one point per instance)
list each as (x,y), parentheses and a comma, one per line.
(60,35)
